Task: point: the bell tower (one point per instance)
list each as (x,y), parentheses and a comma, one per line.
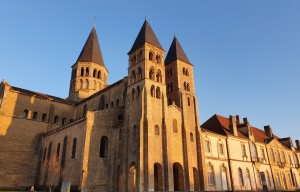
(89,74)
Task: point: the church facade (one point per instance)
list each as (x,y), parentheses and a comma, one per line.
(141,133)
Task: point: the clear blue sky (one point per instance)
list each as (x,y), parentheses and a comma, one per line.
(246,54)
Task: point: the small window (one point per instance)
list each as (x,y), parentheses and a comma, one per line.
(71,120)
(158,59)
(183,71)
(94,72)
(158,76)
(25,114)
(152,91)
(157,92)
(55,119)
(103,147)
(189,102)
(191,137)
(106,105)
(140,75)
(35,115)
(133,94)
(244,150)
(74,148)
(64,120)
(221,148)
(151,73)
(44,117)
(150,56)
(207,146)
(99,75)
(57,150)
(87,72)
(156,130)
(82,71)
(118,103)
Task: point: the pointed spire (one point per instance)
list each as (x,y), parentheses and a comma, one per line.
(146,34)
(176,53)
(91,50)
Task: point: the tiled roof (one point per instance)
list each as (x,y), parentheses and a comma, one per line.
(176,53)
(219,124)
(41,95)
(146,34)
(91,50)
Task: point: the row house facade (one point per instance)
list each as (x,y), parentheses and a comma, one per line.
(241,157)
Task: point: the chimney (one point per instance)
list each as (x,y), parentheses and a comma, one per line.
(298,144)
(245,119)
(232,125)
(268,131)
(237,118)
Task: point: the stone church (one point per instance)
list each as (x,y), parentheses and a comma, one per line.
(140,133)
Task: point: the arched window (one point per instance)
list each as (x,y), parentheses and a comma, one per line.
(152,91)
(44,156)
(64,120)
(224,179)
(151,56)
(133,93)
(187,72)
(188,87)
(55,119)
(157,92)
(189,103)
(210,176)
(118,103)
(220,147)
(82,71)
(183,71)
(57,151)
(133,76)
(81,84)
(44,117)
(87,84)
(140,55)
(138,91)
(158,59)
(191,137)
(178,177)
(103,147)
(74,148)
(132,177)
(156,130)
(158,76)
(35,115)
(84,112)
(94,72)
(140,76)
(151,73)
(25,113)
(248,176)
(175,130)
(241,179)
(207,146)
(87,71)
(134,59)
(99,75)
(49,151)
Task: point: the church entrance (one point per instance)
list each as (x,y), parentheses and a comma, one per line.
(178,177)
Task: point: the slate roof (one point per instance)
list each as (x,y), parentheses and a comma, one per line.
(146,34)
(220,125)
(91,50)
(176,53)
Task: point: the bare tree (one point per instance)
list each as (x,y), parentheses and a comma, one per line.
(54,171)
